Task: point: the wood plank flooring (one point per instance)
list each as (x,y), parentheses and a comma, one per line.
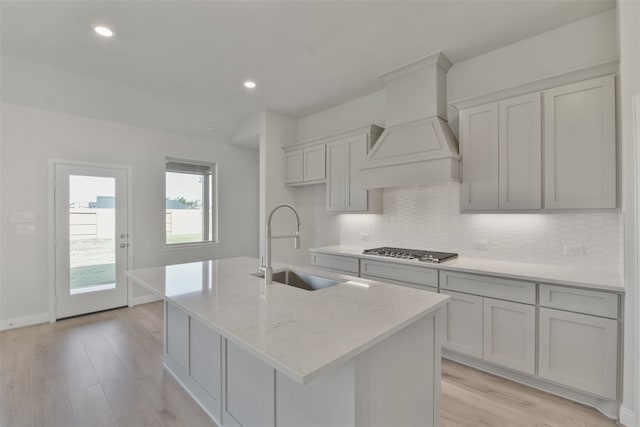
(105,369)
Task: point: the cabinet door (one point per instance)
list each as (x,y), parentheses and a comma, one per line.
(337,176)
(293,161)
(479,138)
(357,198)
(510,334)
(177,335)
(250,390)
(520,159)
(205,358)
(464,324)
(580,145)
(314,163)
(579,351)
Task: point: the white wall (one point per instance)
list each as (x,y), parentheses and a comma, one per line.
(578,45)
(31,136)
(277,130)
(359,112)
(430,218)
(629,38)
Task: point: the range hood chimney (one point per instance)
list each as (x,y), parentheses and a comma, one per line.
(417,146)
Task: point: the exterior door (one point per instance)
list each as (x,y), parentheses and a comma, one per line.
(91,238)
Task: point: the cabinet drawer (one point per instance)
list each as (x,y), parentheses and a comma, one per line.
(400,273)
(585,301)
(506,289)
(398,282)
(344,264)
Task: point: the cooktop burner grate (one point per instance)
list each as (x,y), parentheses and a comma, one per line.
(414,254)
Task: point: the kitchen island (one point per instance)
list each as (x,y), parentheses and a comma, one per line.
(360,353)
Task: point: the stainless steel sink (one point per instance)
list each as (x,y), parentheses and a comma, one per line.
(300,280)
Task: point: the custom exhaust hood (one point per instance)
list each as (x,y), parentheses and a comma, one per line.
(417,146)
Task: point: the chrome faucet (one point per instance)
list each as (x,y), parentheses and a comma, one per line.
(268,270)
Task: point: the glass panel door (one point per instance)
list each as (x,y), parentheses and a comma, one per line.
(91,239)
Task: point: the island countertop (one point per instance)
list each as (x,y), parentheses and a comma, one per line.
(298,332)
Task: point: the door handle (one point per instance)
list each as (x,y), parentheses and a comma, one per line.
(124,245)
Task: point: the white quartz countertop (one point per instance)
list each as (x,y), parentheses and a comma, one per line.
(584,277)
(300,333)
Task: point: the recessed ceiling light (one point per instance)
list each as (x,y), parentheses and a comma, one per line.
(103,31)
(249,84)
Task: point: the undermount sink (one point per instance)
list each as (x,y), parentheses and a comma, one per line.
(300,280)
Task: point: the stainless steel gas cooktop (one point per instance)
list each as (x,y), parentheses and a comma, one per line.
(414,254)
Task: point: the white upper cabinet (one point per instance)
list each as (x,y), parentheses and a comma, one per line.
(305,166)
(345,187)
(314,163)
(479,138)
(337,171)
(580,145)
(520,157)
(293,162)
(502,145)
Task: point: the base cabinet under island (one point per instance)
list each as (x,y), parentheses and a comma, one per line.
(394,382)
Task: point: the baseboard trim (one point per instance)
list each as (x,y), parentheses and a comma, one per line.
(627,417)
(145,299)
(19,322)
(609,408)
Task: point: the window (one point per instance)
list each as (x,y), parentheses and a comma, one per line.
(190,202)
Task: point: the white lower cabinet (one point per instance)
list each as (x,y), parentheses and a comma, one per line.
(177,335)
(464,324)
(193,354)
(250,390)
(579,351)
(509,334)
(204,358)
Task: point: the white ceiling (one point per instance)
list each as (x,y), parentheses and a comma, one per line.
(194,56)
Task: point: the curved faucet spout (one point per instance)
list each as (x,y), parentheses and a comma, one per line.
(268,270)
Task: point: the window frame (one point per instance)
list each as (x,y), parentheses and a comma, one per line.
(210,197)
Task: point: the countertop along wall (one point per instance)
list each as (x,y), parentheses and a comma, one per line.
(32,136)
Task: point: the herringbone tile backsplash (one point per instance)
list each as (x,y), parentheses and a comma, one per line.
(430,218)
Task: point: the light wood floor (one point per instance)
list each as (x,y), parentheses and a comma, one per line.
(106,369)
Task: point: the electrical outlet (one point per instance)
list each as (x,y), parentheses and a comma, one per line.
(23,217)
(364,237)
(481,245)
(573,250)
(26,230)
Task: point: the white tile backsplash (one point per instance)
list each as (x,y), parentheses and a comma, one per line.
(430,218)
